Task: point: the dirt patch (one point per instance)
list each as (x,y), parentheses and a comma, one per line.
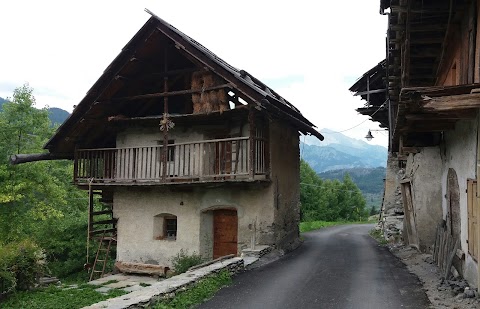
(442,293)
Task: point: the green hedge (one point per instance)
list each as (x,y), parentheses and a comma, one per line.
(20,265)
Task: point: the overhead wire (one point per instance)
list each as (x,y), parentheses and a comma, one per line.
(335,132)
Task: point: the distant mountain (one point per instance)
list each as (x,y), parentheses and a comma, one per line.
(338,151)
(56,115)
(339,154)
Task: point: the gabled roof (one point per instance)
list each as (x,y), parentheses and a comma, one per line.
(105,95)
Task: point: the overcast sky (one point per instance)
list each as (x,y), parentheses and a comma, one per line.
(310,52)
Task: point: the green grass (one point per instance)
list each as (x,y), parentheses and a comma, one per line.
(199,293)
(378,236)
(53,297)
(316,225)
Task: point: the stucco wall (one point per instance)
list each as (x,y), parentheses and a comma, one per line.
(285,175)
(268,212)
(424,169)
(136,208)
(459,154)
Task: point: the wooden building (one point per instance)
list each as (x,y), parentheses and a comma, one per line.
(431,79)
(185,151)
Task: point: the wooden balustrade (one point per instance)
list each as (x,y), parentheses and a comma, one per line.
(209,160)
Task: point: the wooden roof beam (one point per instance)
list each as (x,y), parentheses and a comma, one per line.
(428,127)
(451,103)
(164,94)
(468,114)
(437,9)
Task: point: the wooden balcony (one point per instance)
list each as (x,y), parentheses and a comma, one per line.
(229,159)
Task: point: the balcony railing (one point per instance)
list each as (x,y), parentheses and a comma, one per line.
(209,160)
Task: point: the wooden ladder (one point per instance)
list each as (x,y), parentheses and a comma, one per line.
(101,258)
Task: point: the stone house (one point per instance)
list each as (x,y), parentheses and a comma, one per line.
(185,152)
(427,95)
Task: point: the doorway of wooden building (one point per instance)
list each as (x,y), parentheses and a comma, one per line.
(225,232)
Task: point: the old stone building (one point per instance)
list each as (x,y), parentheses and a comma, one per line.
(426,93)
(185,152)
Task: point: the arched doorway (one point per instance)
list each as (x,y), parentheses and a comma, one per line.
(225,232)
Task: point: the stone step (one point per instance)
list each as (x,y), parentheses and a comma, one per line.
(257,252)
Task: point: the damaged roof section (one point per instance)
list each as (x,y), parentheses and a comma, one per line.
(371,88)
(129,88)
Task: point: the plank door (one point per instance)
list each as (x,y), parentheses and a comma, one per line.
(409,219)
(225,229)
(473,213)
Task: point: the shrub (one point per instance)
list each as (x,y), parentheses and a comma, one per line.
(20,265)
(183,261)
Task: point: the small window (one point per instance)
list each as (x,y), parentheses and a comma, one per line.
(171,227)
(165,227)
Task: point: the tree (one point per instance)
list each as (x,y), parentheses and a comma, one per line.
(329,200)
(37,200)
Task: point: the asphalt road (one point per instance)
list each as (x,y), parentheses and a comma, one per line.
(337,267)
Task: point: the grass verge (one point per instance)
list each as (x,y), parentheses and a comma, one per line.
(58,297)
(378,236)
(316,225)
(199,293)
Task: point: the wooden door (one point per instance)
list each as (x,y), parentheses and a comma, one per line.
(473,213)
(409,219)
(225,229)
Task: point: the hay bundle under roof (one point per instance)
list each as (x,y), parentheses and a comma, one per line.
(211,100)
(197,83)
(222,100)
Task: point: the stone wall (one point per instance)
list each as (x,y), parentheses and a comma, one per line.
(458,153)
(170,287)
(285,175)
(424,170)
(391,216)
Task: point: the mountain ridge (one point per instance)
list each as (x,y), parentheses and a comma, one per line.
(339,151)
(56,115)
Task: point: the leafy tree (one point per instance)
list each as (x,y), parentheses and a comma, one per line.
(37,200)
(329,200)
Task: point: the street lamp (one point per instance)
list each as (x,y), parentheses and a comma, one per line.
(369,135)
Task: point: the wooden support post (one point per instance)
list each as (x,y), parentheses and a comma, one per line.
(266,128)
(75,164)
(251,122)
(477,245)
(165,113)
(90,207)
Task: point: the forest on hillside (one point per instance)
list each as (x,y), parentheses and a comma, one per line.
(368,180)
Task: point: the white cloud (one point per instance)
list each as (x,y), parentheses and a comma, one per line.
(62,47)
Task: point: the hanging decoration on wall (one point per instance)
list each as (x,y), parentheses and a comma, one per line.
(166,124)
